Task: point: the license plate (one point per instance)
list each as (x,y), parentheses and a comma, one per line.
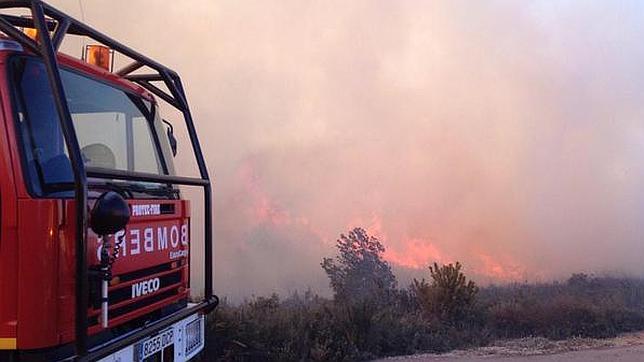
(156,344)
(193,336)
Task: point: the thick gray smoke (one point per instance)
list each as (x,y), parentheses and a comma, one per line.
(507,135)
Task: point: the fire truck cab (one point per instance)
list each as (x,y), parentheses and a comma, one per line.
(94,233)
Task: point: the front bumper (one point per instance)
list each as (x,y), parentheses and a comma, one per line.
(129,339)
(179,343)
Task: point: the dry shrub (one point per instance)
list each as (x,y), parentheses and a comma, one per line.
(450,297)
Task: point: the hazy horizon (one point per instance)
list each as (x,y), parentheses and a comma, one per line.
(505,135)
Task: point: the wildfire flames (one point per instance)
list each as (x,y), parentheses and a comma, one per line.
(415,253)
(501,272)
(262,208)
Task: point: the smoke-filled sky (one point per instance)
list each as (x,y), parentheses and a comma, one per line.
(506,135)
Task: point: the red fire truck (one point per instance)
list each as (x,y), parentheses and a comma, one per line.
(94,233)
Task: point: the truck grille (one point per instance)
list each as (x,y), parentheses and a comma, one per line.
(121,298)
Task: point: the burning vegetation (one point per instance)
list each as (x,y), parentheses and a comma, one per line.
(370,316)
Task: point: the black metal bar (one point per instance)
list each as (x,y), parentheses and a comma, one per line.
(61,30)
(208,249)
(23,22)
(129,68)
(145,77)
(203,170)
(14,33)
(78,28)
(83,29)
(14,3)
(174,89)
(157,141)
(159,93)
(80,195)
(104,173)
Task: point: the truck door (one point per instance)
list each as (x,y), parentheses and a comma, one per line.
(8,227)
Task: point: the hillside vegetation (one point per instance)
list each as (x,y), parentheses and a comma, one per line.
(370,316)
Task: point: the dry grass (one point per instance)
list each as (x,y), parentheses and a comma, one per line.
(526,318)
(370,317)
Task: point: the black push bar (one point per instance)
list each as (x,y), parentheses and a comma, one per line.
(46,19)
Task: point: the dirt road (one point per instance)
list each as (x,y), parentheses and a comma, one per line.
(626,348)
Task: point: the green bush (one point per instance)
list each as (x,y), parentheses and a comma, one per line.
(359,274)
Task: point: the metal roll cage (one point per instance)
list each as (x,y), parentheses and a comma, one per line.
(46,19)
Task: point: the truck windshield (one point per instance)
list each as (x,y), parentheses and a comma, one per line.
(115,129)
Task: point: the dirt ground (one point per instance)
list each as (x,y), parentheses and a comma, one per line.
(625,348)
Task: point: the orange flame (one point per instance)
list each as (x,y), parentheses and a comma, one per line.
(263,209)
(417,254)
(413,252)
(373,225)
(506,272)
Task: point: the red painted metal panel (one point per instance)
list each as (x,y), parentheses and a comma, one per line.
(37,273)
(8,225)
(126,263)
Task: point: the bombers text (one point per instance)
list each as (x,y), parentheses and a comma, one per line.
(146,240)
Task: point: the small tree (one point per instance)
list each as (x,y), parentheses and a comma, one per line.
(359,272)
(364,287)
(449,296)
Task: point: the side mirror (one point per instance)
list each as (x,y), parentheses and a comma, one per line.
(171,139)
(110,214)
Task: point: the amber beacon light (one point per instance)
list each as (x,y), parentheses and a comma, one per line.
(31,32)
(99,55)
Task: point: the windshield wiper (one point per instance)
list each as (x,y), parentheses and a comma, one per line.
(123,191)
(163,190)
(127,189)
